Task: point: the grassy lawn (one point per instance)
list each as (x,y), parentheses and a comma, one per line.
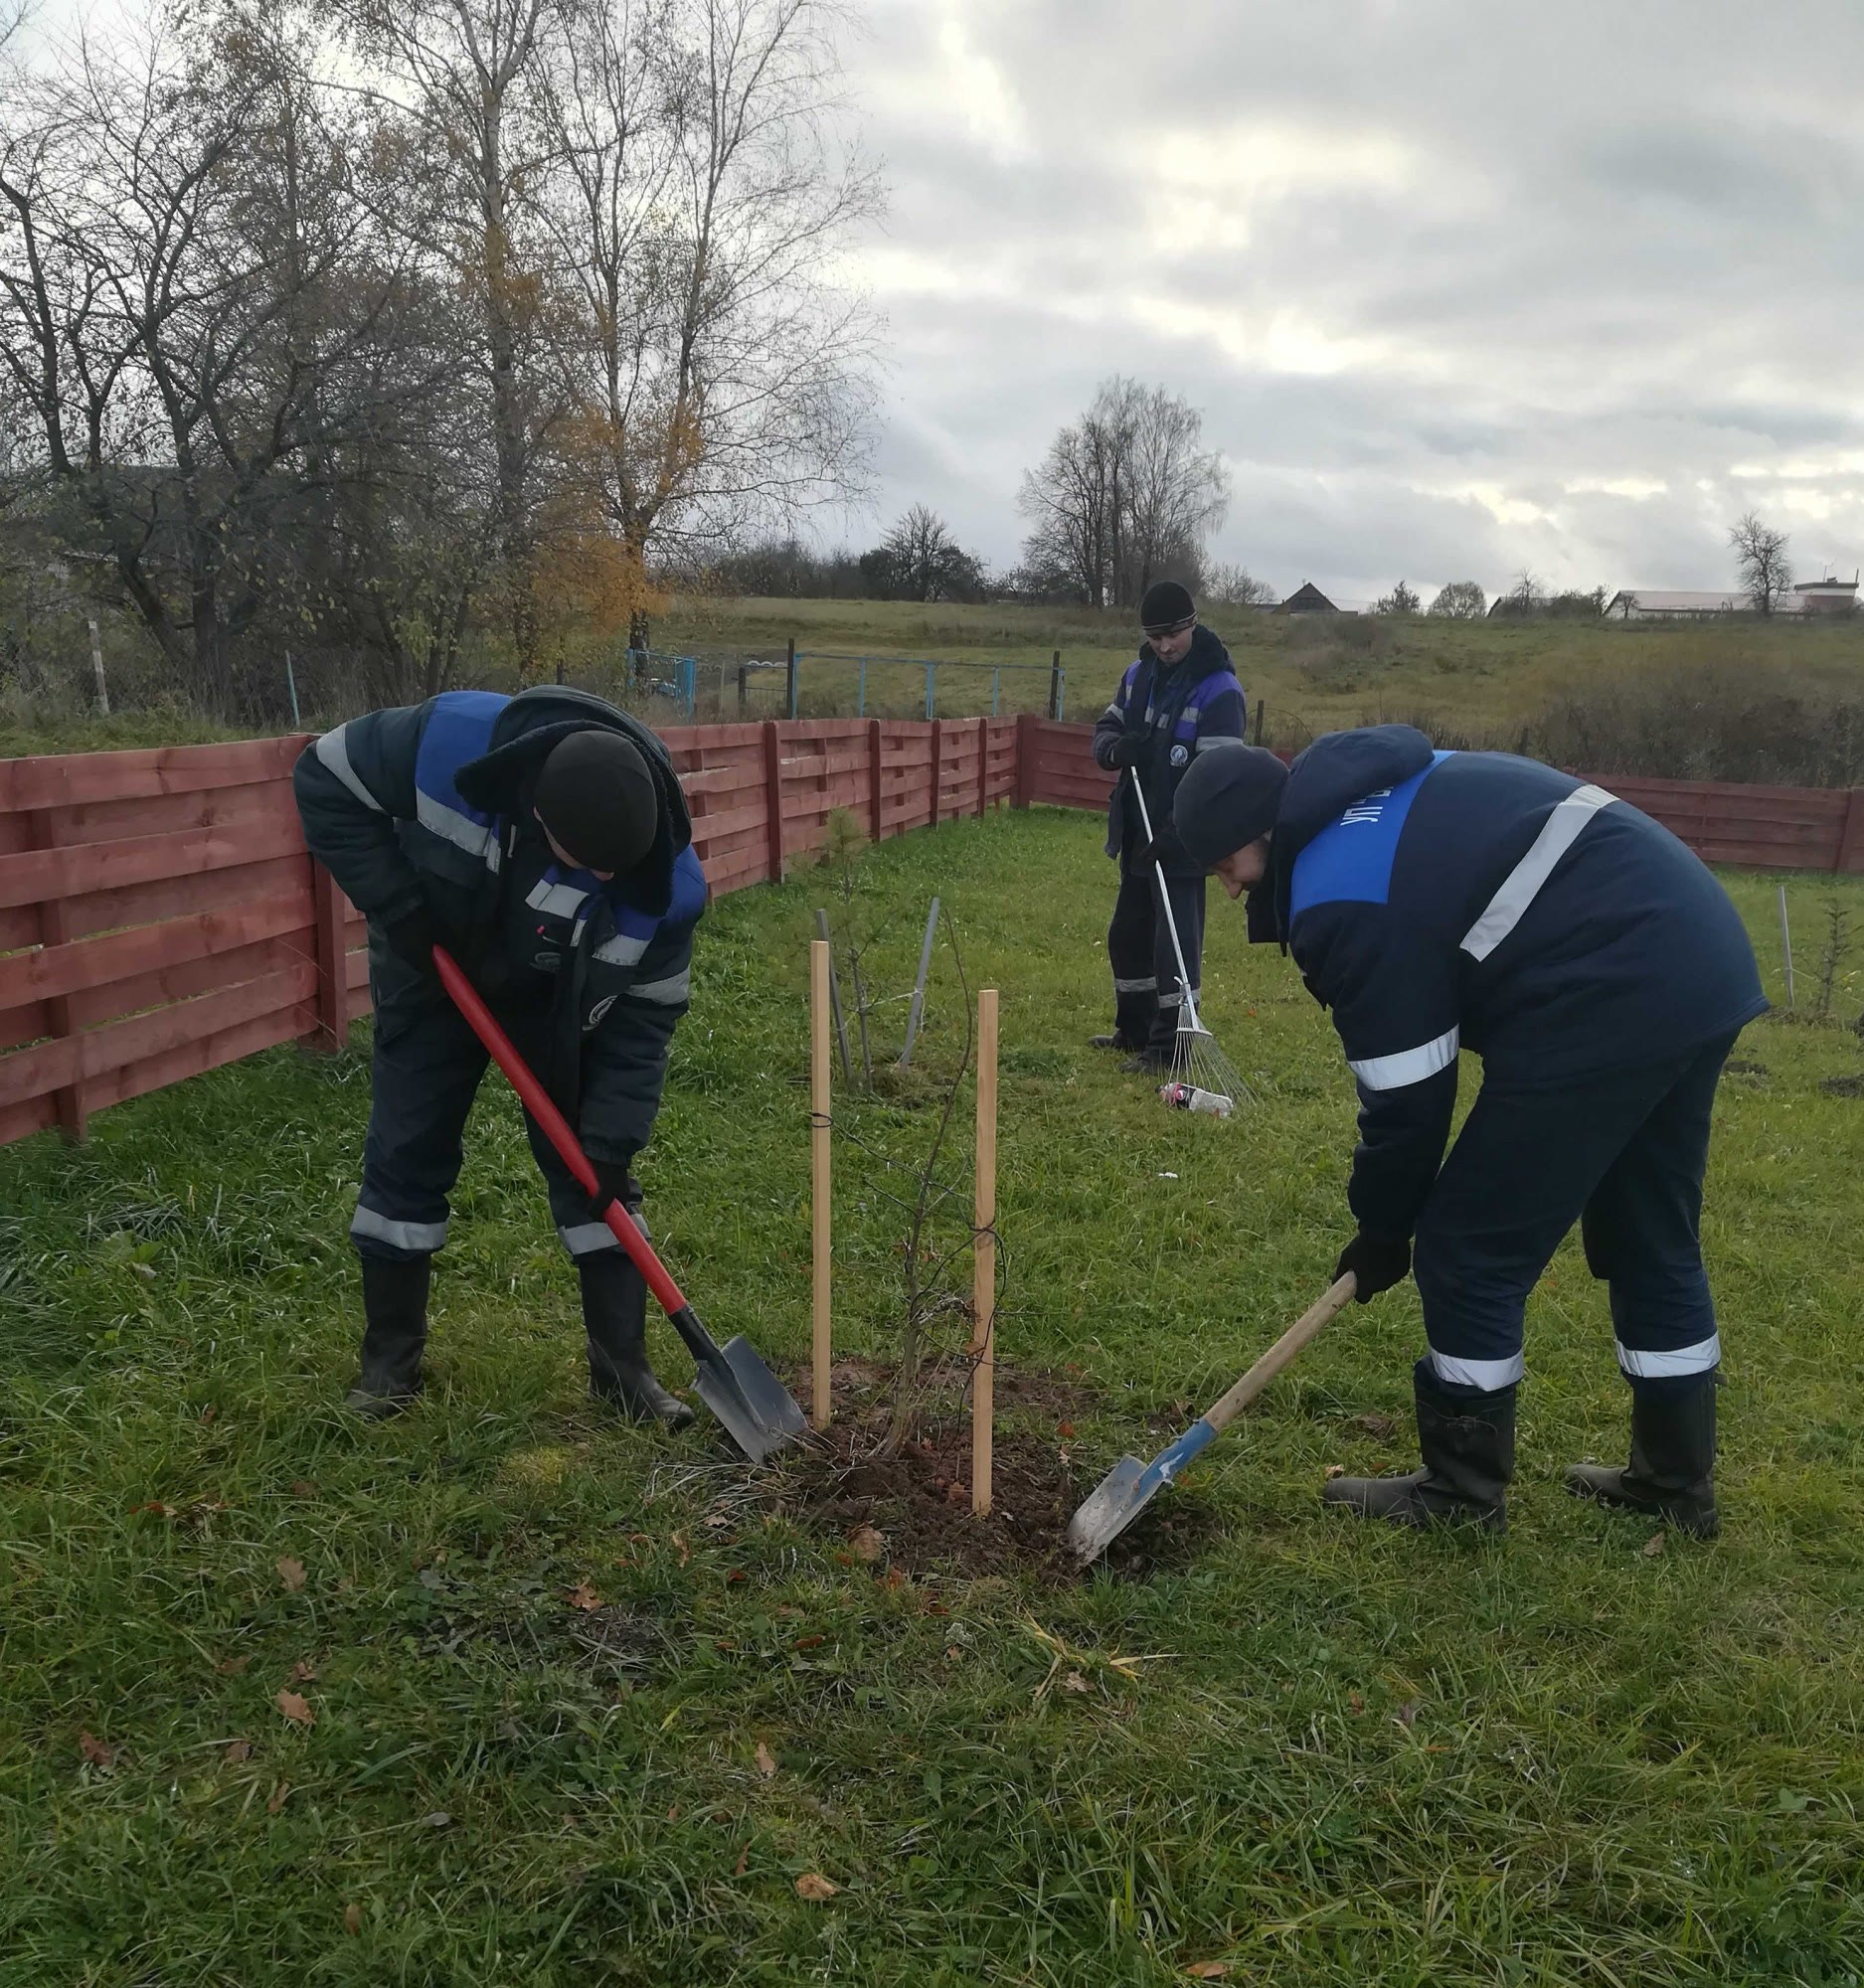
(1582,1754)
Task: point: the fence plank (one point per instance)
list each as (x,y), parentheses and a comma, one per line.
(70,1105)
(38,874)
(36,1071)
(774,796)
(69,780)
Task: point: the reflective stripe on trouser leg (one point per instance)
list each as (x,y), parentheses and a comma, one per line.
(1130,954)
(425,1066)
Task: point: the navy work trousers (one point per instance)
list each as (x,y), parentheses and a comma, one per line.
(426,1073)
(1623,1155)
(1146,992)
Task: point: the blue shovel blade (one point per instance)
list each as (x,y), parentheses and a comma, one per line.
(1128,1489)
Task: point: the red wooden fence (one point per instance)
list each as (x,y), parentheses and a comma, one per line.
(159,914)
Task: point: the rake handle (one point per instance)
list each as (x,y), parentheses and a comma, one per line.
(1280,1354)
(556,1128)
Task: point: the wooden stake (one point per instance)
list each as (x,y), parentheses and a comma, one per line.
(819,1406)
(984,1255)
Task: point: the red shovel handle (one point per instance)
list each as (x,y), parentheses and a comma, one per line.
(555,1127)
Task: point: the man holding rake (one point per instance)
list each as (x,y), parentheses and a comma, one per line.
(1438,902)
(1180,699)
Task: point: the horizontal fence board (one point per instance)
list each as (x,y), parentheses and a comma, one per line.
(165,814)
(196,1058)
(37,874)
(69,779)
(94,1054)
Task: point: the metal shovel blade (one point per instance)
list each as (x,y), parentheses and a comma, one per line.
(748,1401)
(1126,1490)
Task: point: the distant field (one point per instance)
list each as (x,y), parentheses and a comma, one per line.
(1314,673)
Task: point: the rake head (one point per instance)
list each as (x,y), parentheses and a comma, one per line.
(1203,1079)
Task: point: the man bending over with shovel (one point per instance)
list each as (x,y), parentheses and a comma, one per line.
(544,841)
(1445,901)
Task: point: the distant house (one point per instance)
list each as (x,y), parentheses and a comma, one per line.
(1307,598)
(1812,596)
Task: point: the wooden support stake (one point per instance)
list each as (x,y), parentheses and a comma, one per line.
(1785,945)
(819,1406)
(984,1255)
(834,998)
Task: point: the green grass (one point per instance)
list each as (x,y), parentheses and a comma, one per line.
(1359,1757)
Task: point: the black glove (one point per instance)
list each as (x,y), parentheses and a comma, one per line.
(413,938)
(1165,850)
(1124,750)
(1377,1261)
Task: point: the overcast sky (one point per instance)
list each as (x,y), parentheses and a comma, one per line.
(1459,285)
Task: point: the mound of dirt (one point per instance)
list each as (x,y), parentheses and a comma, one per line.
(913,1511)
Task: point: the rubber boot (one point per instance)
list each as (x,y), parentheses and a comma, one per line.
(394,1311)
(1467,1441)
(1115,1041)
(1671,1474)
(614,1315)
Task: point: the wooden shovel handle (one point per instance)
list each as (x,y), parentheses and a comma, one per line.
(1280,1354)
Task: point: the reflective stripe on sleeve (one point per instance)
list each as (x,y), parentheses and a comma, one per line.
(333,753)
(1393,1072)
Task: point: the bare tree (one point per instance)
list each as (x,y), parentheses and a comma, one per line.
(1072,501)
(1760,557)
(1402,599)
(194,313)
(720,383)
(920,559)
(1460,600)
(1177,491)
(1236,586)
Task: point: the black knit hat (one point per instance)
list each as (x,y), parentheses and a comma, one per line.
(1228,799)
(597,797)
(1167,607)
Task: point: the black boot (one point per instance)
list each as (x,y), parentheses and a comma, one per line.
(1671,1474)
(1467,1441)
(614,1315)
(395,1310)
(1117,1041)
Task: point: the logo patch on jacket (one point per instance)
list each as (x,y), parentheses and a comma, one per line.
(1179,754)
(596,1013)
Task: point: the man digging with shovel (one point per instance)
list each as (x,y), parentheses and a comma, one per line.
(544,841)
(1444,900)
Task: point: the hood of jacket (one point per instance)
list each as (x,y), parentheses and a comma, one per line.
(1337,769)
(502,780)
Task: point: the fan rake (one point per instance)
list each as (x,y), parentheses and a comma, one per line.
(1203,1079)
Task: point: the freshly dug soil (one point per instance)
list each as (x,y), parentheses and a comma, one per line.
(912,1512)
(1843,1087)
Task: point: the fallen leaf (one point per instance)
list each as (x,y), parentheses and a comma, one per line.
(303,1673)
(1377,1425)
(1208,1970)
(673,1814)
(303,1487)
(812,1885)
(352,1918)
(893,1579)
(1355,1704)
(1064,1430)
(209,1412)
(953,1653)
(230,1667)
(154,1506)
(867,1543)
(291,1572)
(677,1542)
(744,1862)
(718,1521)
(295,1709)
(809,1642)
(280,1796)
(96,1752)
(1074,1681)
(1336,1470)
(582,1596)
(439,1819)
(1655,1545)
(238,1751)
(957,1494)
(766,1761)
(735,1577)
